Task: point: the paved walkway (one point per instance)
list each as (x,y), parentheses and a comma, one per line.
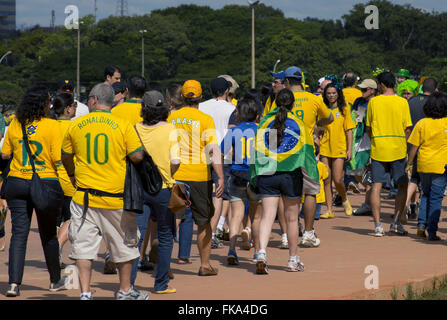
(335,270)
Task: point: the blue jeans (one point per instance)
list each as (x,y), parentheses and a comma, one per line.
(433,186)
(317,211)
(142,221)
(185,235)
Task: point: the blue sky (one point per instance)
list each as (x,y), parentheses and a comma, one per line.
(31,12)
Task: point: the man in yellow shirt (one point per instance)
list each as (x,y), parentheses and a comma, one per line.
(198,144)
(130,110)
(277,86)
(350,90)
(388,123)
(100,142)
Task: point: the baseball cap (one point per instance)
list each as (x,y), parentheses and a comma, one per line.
(368,83)
(153,98)
(65,83)
(119,87)
(279,75)
(220,84)
(234,85)
(192,89)
(293,72)
(404,73)
(320,81)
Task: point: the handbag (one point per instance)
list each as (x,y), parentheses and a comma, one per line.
(179,200)
(151,178)
(43,196)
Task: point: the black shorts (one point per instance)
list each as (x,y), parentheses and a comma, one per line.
(226,170)
(201,196)
(65,212)
(415,178)
(286,184)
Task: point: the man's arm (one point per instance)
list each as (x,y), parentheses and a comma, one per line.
(325,122)
(369,132)
(68,162)
(407,132)
(216,162)
(136,157)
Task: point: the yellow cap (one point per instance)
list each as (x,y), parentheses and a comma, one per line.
(192,89)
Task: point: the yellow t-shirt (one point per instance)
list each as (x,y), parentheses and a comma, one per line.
(388,117)
(161,144)
(268,106)
(196,131)
(334,142)
(100,142)
(351,94)
(130,110)
(430,135)
(308,107)
(64,180)
(44,145)
(323,174)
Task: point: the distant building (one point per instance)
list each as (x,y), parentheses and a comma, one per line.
(7,16)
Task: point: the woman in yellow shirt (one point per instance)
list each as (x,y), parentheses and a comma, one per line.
(336,146)
(64,109)
(31,115)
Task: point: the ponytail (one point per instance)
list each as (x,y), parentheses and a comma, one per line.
(285,101)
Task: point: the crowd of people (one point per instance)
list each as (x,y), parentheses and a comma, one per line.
(245,159)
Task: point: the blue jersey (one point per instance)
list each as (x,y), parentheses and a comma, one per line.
(240,139)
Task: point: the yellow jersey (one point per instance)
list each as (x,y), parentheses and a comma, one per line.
(130,110)
(100,142)
(162,152)
(334,142)
(388,117)
(351,94)
(268,105)
(196,131)
(67,186)
(44,145)
(430,135)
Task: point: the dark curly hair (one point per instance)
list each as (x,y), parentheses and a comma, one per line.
(285,102)
(154,114)
(436,106)
(341,103)
(33,106)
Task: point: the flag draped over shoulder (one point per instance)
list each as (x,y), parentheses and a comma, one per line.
(296,150)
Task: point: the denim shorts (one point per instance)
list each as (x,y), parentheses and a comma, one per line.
(395,168)
(241,191)
(226,170)
(286,184)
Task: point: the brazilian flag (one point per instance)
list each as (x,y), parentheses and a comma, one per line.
(296,150)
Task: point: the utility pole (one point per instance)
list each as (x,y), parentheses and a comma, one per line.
(142,51)
(252,5)
(78,76)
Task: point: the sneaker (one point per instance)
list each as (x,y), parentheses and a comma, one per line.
(398,229)
(412,211)
(310,240)
(378,232)
(284,243)
(13,290)
(232,258)
(353,187)
(434,237)
(219,233)
(166,291)
(60,285)
(295,266)
(261,264)
(86,297)
(348,208)
(328,215)
(109,266)
(246,239)
(421,233)
(338,202)
(216,243)
(364,210)
(133,294)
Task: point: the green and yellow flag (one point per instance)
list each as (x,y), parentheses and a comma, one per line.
(296,150)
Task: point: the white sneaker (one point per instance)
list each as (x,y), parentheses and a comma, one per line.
(284,243)
(60,285)
(378,232)
(261,264)
(295,266)
(309,240)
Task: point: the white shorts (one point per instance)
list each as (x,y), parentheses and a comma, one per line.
(118,228)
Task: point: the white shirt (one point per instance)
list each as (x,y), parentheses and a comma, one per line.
(81,110)
(220,111)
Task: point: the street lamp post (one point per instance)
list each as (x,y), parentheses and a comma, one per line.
(276,64)
(252,5)
(78,72)
(4,56)
(142,51)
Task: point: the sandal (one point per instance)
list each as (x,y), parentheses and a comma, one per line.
(183,261)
